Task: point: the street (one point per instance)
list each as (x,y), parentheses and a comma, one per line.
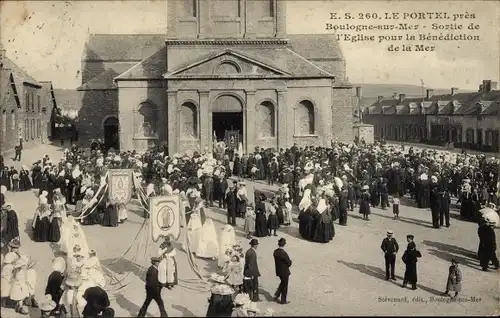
(343,277)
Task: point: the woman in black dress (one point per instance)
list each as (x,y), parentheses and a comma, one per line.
(220,303)
(410,258)
(261,229)
(55,280)
(110,217)
(24,179)
(11,231)
(41,223)
(364,202)
(323,228)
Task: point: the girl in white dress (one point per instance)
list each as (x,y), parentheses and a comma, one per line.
(208,247)
(227,239)
(167,269)
(7,275)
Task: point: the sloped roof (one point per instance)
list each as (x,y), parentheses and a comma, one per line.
(402,109)
(6,80)
(316,46)
(105,80)
(408,101)
(152,67)
(389,110)
(20,75)
(68,99)
(122,47)
(462,97)
(493,109)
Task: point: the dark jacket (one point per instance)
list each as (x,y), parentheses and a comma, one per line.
(97,300)
(389,246)
(251,266)
(231,201)
(282,262)
(152,282)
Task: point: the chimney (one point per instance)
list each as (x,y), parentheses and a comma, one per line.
(430,92)
(380,98)
(358,91)
(454,90)
(402,97)
(395,96)
(480,90)
(486,86)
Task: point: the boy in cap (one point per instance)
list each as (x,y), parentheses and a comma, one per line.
(390,248)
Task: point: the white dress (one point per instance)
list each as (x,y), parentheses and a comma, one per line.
(7,276)
(122,213)
(20,289)
(166,268)
(194,228)
(227,239)
(208,247)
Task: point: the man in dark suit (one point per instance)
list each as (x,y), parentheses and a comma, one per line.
(153,289)
(390,248)
(251,272)
(282,264)
(97,300)
(230,198)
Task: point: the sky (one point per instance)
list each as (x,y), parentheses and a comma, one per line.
(47,38)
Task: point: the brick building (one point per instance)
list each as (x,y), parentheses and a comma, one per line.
(225,65)
(26,107)
(468,120)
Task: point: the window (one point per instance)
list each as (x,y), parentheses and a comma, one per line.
(147,120)
(469,136)
(189,119)
(26,130)
(189,8)
(488,137)
(13,120)
(32,129)
(39,102)
(27,101)
(38,128)
(266,118)
(4,121)
(304,118)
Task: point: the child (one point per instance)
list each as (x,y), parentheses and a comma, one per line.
(253,172)
(272,220)
(234,271)
(250,221)
(454,281)
(15,182)
(395,207)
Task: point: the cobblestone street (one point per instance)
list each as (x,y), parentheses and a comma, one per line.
(343,277)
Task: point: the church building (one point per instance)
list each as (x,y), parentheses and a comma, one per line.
(224,65)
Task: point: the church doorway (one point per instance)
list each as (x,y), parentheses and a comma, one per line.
(111,133)
(222,122)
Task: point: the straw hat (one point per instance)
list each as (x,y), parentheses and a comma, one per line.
(47,304)
(242,299)
(73,280)
(222,289)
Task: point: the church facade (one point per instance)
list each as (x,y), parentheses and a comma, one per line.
(224,66)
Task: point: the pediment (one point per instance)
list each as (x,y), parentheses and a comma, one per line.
(227,64)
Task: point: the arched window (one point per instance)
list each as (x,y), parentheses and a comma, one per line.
(227,68)
(266,120)
(304,119)
(4,121)
(147,120)
(189,120)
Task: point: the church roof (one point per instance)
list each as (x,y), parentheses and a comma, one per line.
(6,87)
(152,67)
(321,47)
(122,47)
(105,79)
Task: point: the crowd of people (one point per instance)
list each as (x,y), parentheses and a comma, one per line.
(320,183)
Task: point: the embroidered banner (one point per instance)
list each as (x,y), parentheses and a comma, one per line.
(120,185)
(165,213)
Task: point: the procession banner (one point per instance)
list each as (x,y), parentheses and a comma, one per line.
(120,185)
(165,214)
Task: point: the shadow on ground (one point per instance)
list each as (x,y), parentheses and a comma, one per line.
(447,252)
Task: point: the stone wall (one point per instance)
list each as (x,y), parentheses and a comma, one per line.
(342,120)
(364,132)
(10,113)
(97,105)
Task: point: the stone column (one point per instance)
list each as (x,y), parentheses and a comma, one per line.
(282,120)
(205,122)
(280,16)
(172,119)
(250,121)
